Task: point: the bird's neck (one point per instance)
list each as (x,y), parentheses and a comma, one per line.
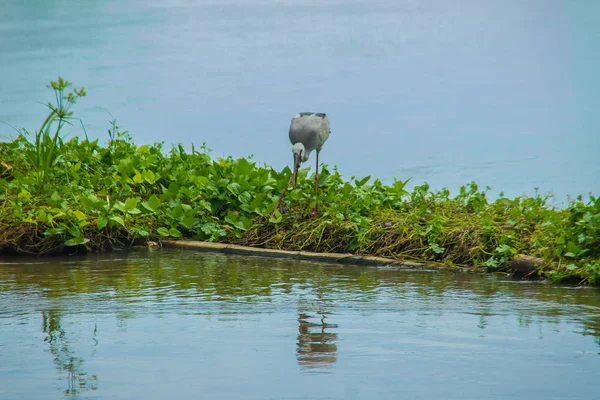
(306,155)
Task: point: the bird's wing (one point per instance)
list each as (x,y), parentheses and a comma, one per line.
(310,129)
(324,131)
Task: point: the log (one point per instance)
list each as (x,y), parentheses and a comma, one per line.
(526,265)
(298,255)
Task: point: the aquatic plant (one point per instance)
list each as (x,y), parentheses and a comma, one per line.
(45,153)
(78,195)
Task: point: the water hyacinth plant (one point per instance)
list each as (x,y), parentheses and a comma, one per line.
(78,195)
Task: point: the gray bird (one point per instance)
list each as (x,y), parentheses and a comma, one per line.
(308,132)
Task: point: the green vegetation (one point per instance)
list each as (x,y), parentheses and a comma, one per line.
(73,195)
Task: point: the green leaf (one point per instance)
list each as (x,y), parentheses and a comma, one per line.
(141,232)
(76,241)
(223,182)
(102,221)
(73,231)
(137,178)
(572,248)
(245,197)
(572,267)
(119,206)
(79,215)
(154,202)
(201,181)
(149,176)
(117,219)
(241,225)
(174,232)
(42,216)
(163,231)
(188,221)
(146,207)
(231,217)
(234,188)
(277,218)
(209,228)
(258,201)
(173,188)
(399,187)
(362,181)
(176,212)
(246,223)
(91,201)
(131,203)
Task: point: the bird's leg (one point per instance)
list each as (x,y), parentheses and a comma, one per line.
(278,206)
(317,174)
(314,210)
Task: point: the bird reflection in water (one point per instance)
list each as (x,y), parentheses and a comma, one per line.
(317,346)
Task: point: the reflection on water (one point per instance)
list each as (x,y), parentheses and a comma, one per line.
(316,343)
(182,322)
(64,357)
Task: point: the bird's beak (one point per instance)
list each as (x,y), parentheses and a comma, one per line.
(296,166)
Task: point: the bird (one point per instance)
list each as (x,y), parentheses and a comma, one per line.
(308,132)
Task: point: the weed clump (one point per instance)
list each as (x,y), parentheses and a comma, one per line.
(78,195)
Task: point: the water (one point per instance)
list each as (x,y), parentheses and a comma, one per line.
(502,92)
(175,324)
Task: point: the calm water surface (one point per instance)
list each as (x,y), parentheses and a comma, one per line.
(170,324)
(503,92)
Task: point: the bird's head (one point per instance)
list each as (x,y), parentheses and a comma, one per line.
(299,156)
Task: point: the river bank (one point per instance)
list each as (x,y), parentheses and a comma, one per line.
(79,195)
